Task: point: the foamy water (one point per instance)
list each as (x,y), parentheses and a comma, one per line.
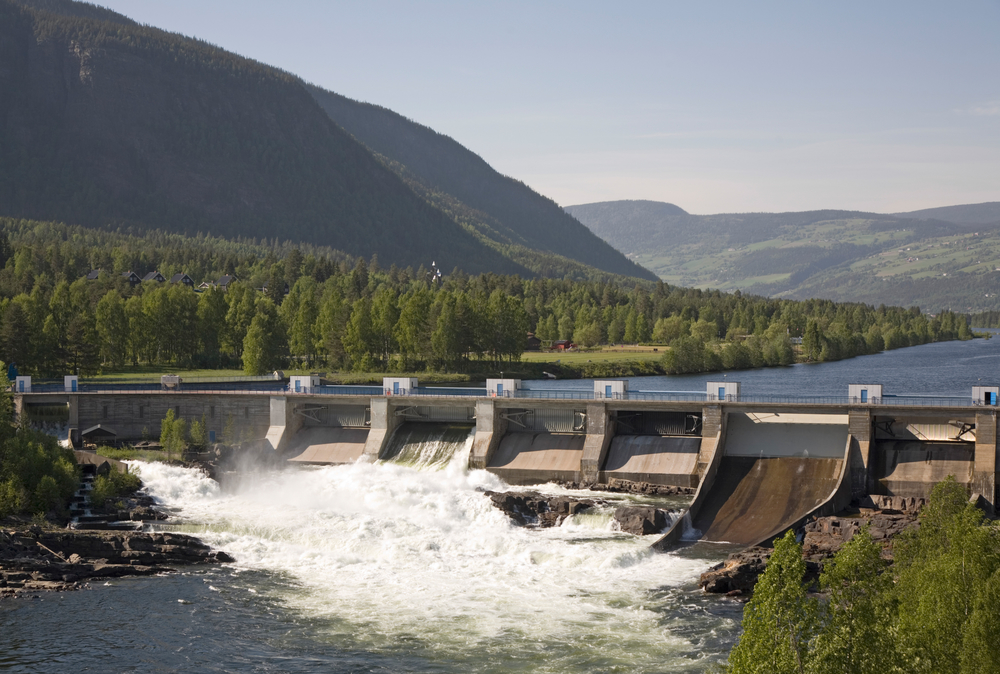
(386,558)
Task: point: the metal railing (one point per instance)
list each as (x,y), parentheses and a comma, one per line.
(268,386)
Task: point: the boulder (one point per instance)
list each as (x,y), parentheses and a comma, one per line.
(642,520)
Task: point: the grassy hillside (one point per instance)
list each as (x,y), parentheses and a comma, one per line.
(108,123)
(499,208)
(839,255)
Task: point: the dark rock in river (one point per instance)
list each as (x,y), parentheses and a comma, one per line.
(642,520)
(529,508)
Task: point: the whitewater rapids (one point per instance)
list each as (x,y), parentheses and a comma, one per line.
(387,558)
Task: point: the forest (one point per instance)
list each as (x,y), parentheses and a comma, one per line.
(308,307)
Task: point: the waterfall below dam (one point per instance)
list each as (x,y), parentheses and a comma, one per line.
(406,560)
(429,446)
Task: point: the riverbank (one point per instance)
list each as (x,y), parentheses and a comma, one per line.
(35,559)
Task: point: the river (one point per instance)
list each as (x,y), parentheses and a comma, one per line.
(406,567)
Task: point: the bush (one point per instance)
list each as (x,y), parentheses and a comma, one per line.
(114,485)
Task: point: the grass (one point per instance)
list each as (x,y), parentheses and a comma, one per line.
(604,355)
(132,454)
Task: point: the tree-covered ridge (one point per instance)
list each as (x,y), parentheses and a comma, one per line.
(350,313)
(502,208)
(110,124)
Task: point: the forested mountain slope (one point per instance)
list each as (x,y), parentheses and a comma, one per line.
(111,123)
(501,208)
(974,214)
(839,255)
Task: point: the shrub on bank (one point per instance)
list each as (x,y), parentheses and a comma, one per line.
(114,485)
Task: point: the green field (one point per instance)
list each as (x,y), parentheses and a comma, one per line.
(606,355)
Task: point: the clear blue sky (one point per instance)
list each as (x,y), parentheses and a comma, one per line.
(714,106)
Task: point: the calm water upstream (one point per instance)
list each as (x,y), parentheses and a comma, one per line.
(393,568)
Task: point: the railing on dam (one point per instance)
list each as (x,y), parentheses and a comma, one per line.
(269,386)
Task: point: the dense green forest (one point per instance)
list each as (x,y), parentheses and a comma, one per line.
(353,314)
(985,319)
(934,610)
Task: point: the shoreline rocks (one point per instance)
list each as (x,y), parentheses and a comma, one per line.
(34,559)
(822,538)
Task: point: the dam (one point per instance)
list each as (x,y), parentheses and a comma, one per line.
(760,464)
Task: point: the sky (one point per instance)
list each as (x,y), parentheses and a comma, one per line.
(717,107)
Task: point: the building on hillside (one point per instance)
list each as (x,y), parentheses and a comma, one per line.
(183,278)
(532,343)
(154,276)
(132,278)
(93,274)
(225,281)
(205,285)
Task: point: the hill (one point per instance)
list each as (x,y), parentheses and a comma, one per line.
(499,208)
(839,255)
(972,214)
(108,123)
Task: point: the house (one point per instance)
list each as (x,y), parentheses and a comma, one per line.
(99,433)
(563,345)
(532,343)
(154,276)
(225,281)
(264,288)
(183,278)
(132,277)
(93,274)
(205,285)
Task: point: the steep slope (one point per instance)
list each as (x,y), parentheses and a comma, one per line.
(501,209)
(839,255)
(105,122)
(972,214)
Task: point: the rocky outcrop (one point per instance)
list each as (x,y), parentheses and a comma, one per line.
(34,559)
(643,520)
(530,508)
(617,486)
(822,538)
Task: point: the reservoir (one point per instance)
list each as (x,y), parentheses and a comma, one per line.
(404,565)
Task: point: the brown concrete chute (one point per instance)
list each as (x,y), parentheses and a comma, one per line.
(667,460)
(328,445)
(910,468)
(533,458)
(754,498)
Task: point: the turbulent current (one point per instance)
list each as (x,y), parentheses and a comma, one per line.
(385,567)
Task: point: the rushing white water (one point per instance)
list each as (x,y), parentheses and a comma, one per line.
(388,558)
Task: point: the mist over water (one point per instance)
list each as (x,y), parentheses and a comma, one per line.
(400,562)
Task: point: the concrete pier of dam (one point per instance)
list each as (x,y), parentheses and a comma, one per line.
(760,466)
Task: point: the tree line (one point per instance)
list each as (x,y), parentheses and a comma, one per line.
(323,308)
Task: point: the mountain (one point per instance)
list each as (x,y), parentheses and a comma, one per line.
(839,255)
(971,214)
(108,123)
(500,208)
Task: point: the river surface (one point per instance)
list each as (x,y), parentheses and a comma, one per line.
(405,566)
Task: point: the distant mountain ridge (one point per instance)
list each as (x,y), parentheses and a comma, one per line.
(972,214)
(106,122)
(840,255)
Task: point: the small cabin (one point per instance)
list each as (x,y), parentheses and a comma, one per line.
(563,345)
(398,386)
(610,389)
(225,281)
(154,276)
(132,278)
(864,393)
(93,274)
(722,391)
(502,388)
(184,279)
(71,383)
(532,343)
(303,383)
(985,395)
